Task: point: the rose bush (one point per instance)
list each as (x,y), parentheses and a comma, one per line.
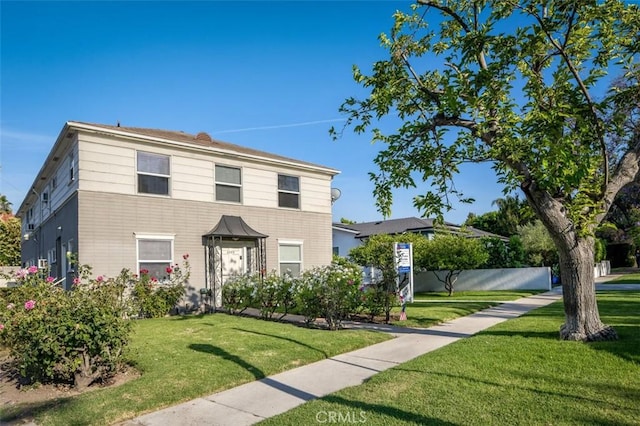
(238,293)
(331,292)
(79,336)
(153,297)
(64,336)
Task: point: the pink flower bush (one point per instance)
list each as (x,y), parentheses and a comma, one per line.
(21,273)
(169,269)
(1,327)
(76,281)
(32,269)
(50,280)
(29,304)
(100,278)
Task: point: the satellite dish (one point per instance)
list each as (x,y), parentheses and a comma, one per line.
(335,194)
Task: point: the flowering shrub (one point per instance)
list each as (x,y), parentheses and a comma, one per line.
(79,336)
(153,298)
(238,293)
(331,292)
(266,293)
(64,336)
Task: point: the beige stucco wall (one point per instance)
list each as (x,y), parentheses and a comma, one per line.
(108,223)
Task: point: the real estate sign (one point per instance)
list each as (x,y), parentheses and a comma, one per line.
(404,267)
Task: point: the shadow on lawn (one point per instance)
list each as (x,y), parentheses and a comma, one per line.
(525,378)
(221,353)
(284,338)
(23,413)
(399,416)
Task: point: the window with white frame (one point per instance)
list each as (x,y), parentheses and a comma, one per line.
(288,191)
(153,173)
(290,257)
(228,184)
(155,255)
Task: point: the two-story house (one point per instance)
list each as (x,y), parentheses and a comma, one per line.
(136,198)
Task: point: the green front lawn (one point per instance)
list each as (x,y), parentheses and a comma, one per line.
(182,358)
(423,315)
(515,373)
(625,279)
(431,308)
(494,295)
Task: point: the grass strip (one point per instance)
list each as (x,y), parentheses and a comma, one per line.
(517,372)
(625,279)
(182,358)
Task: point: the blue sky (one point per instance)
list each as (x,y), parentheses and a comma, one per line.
(268,75)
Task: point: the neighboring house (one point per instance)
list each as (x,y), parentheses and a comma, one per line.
(125,197)
(347,236)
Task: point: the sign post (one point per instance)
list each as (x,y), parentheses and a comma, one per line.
(404,281)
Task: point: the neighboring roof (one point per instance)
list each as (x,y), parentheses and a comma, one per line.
(234,227)
(407,224)
(201,139)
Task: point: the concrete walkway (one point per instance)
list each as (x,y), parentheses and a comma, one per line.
(252,402)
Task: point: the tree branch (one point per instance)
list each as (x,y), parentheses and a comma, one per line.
(433,94)
(448,11)
(581,85)
(627,171)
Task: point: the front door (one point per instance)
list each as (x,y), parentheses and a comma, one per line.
(233,262)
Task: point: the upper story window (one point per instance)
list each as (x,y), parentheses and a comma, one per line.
(288,191)
(72,173)
(228,184)
(153,173)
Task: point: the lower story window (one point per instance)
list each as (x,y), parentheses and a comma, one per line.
(155,255)
(290,258)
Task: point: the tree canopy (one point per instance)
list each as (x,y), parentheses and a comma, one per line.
(10,240)
(519,85)
(452,253)
(5,205)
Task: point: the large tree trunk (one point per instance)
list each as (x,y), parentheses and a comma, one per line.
(582,319)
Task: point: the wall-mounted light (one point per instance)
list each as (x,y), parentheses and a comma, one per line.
(26,236)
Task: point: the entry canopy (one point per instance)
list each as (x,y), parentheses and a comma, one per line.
(233,227)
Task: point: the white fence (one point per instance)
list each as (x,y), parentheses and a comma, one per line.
(487,279)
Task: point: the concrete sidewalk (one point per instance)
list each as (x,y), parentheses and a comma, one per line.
(252,402)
